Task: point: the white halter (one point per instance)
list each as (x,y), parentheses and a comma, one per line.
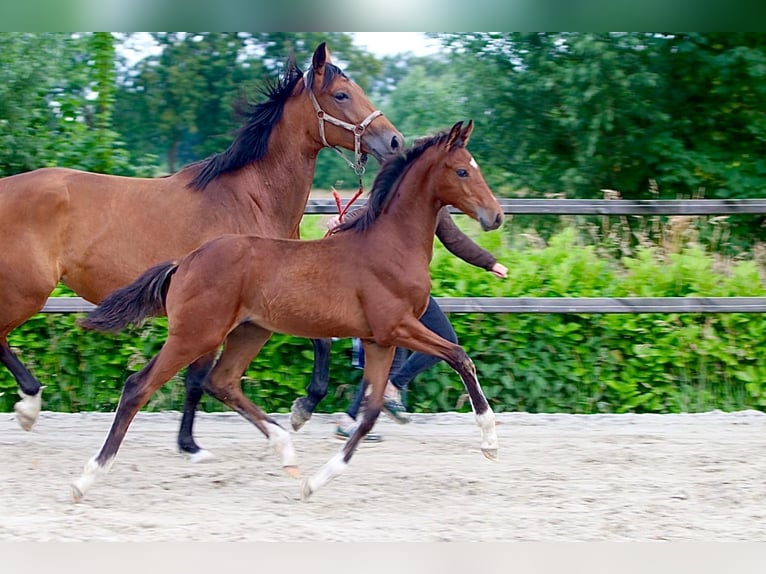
(359,158)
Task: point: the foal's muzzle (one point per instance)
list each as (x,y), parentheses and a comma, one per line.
(490,220)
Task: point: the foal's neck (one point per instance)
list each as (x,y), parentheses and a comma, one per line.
(411,214)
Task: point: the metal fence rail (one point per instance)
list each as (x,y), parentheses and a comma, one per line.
(584,305)
(599,206)
(566,304)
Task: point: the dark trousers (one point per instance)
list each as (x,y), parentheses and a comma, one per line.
(405,368)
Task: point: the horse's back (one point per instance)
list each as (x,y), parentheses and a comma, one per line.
(32,201)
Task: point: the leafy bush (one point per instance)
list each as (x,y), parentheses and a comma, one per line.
(531,362)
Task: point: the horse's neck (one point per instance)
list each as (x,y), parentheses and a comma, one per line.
(276,188)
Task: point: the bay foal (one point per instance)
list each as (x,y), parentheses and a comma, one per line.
(370,279)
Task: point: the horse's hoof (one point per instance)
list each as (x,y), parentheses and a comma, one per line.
(201,455)
(28,409)
(298,415)
(292,471)
(306,491)
(490,453)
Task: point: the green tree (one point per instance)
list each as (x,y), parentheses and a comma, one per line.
(642,113)
(27,72)
(57,97)
(179,103)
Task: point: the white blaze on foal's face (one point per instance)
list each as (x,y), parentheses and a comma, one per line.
(473,163)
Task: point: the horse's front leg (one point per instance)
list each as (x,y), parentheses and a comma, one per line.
(414,335)
(242,345)
(377,363)
(303,407)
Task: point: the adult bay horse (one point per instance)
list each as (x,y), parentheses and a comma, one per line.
(96,232)
(369,279)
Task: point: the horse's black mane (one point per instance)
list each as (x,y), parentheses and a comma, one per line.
(385,184)
(252,140)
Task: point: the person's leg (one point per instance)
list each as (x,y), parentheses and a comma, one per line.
(435,319)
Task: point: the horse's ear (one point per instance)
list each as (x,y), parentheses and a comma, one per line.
(321,57)
(453,136)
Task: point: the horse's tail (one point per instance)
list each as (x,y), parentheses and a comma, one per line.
(132,304)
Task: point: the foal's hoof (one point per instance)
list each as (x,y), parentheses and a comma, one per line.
(298,415)
(306,491)
(27,409)
(292,471)
(490,453)
(77,494)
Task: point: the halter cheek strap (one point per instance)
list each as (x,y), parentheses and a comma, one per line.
(358,130)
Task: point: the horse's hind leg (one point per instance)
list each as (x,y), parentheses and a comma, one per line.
(194,380)
(303,407)
(377,363)
(224,383)
(29,296)
(28,408)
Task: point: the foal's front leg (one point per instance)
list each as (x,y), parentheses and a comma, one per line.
(417,337)
(377,362)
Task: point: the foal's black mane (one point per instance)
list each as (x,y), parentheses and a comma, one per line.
(252,139)
(386,182)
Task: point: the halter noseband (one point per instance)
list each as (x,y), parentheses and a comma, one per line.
(358,130)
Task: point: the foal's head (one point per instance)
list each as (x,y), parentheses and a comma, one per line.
(337,100)
(442,163)
(458,179)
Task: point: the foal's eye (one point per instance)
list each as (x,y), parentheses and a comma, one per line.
(461,172)
(341,96)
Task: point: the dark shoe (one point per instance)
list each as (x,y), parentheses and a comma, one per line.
(394,408)
(345,433)
(298,415)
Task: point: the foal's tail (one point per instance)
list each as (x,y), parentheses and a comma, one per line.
(132,304)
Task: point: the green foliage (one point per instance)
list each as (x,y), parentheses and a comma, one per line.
(531,362)
(646,114)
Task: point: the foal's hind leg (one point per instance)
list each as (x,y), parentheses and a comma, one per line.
(194,380)
(138,388)
(377,363)
(224,383)
(303,407)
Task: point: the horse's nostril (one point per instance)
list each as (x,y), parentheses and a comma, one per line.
(394,142)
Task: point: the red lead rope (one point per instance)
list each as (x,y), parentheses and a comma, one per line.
(343,210)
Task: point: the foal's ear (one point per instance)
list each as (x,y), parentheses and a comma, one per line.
(459,135)
(465,135)
(454,135)
(321,57)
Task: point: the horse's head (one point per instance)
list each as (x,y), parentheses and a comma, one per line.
(460,182)
(346,118)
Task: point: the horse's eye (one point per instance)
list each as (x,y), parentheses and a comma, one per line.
(461,172)
(341,96)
